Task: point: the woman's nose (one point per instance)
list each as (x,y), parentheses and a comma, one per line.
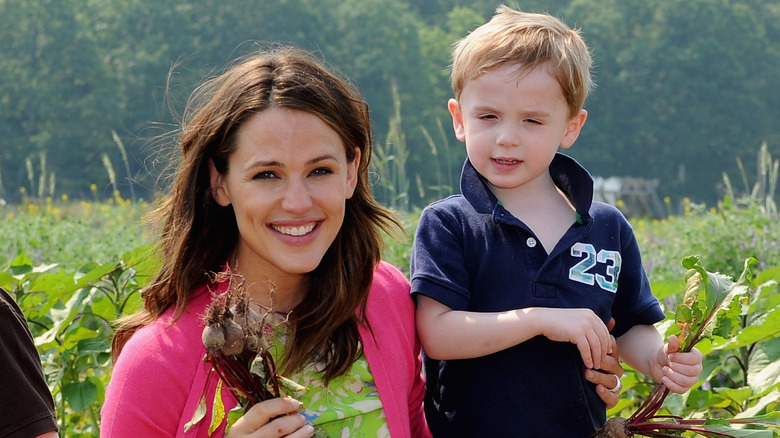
(297,197)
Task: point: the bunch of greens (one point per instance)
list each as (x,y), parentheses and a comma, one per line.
(713,305)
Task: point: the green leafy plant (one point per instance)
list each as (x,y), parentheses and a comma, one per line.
(70,314)
(713,307)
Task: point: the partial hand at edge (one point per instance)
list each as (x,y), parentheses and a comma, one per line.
(604,378)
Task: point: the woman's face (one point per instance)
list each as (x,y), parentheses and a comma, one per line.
(288,182)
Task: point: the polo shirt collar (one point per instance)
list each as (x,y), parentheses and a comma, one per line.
(567,174)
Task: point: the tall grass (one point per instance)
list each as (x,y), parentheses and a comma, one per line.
(389,166)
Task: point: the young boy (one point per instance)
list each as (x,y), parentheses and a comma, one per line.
(515,278)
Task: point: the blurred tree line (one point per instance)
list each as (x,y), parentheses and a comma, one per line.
(684,87)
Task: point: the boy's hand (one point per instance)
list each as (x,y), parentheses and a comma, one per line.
(581,327)
(680,371)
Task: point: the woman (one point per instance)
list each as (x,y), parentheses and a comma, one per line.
(273,186)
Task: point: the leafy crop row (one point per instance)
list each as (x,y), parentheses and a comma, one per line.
(75,267)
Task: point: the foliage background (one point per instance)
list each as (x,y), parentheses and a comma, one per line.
(684,86)
(74,267)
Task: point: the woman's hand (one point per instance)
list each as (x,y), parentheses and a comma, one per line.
(607,379)
(277,417)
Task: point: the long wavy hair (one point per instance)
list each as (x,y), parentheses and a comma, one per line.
(197,235)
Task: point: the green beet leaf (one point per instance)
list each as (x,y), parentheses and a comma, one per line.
(712,303)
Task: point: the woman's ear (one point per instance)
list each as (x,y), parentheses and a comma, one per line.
(218,189)
(353,169)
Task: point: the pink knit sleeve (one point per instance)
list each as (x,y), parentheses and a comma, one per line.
(148,388)
(393,353)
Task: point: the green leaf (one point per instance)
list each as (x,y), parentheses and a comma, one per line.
(715,302)
(736,395)
(768,328)
(771,274)
(662,290)
(96,344)
(103,307)
(21,265)
(7,281)
(91,273)
(55,285)
(73,337)
(61,319)
(752,413)
(233,416)
(145,260)
(80,395)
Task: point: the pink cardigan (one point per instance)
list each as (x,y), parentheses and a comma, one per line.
(159,378)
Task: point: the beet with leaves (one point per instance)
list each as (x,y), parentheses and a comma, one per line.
(712,305)
(236,347)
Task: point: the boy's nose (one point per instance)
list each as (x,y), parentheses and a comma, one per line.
(508,136)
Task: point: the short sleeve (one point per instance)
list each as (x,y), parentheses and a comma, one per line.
(438,266)
(634,303)
(23,388)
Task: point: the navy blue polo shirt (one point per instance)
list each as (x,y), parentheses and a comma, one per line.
(471,254)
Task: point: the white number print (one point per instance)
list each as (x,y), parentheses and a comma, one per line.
(590,258)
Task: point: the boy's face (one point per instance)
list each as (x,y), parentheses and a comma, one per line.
(513,125)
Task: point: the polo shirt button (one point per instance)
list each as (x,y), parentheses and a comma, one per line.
(531,242)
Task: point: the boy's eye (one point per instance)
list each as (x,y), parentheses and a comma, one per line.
(486,117)
(533,121)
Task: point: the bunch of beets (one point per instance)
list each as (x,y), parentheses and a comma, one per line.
(236,346)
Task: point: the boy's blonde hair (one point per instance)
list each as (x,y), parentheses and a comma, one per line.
(529,40)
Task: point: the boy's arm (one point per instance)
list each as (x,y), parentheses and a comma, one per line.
(643,349)
(451,334)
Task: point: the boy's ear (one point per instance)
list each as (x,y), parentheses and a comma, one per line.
(573,129)
(457,119)
(218,189)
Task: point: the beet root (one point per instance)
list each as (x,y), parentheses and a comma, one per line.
(615,427)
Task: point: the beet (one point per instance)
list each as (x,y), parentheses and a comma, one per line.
(213,337)
(615,427)
(234,338)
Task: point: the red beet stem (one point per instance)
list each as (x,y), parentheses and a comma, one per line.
(650,406)
(653,429)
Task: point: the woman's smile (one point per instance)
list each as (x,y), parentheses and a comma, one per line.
(297,231)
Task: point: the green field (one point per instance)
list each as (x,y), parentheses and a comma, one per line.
(75,266)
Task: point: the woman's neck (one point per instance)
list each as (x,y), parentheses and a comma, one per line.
(280,293)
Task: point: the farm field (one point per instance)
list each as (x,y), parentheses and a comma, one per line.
(75,266)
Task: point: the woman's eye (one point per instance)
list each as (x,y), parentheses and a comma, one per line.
(264,175)
(321,171)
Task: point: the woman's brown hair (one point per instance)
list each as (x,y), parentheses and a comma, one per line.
(198,235)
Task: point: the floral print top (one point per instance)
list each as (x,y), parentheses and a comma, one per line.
(348,407)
